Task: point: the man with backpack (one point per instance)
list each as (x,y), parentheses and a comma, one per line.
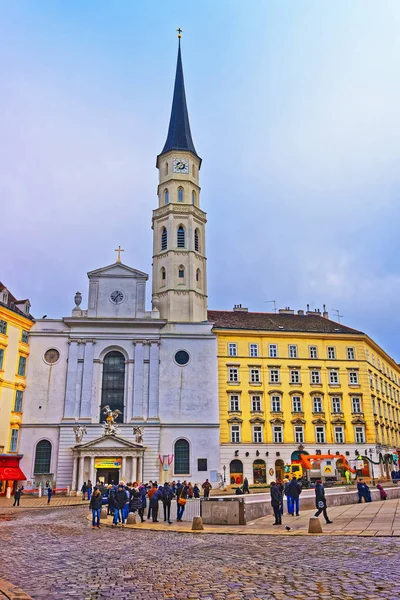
(294,491)
(167,496)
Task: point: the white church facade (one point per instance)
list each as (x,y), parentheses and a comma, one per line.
(157,368)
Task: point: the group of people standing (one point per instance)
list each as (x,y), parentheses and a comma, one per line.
(132,497)
(292,490)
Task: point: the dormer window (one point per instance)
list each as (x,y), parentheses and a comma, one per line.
(5,297)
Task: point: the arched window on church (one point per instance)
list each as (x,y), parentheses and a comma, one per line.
(42,457)
(180,237)
(197,240)
(180,194)
(181,457)
(193,197)
(164,238)
(166,196)
(113,384)
(166,168)
(198,277)
(181,272)
(163,276)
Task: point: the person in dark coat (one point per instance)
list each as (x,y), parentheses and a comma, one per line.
(245,486)
(206,487)
(393,475)
(382,493)
(196,491)
(17,496)
(143,494)
(276,500)
(294,491)
(84,490)
(95,506)
(135,500)
(239,491)
(119,502)
(154,500)
(320,501)
(167,495)
(49,494)
(181,499)
(363,491)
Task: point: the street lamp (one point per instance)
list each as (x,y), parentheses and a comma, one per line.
(372,465)
(224,468)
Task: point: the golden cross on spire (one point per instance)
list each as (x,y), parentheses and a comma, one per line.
(119,250)
(180,31)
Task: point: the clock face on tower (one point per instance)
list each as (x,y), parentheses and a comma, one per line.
(181,165)
(116,296)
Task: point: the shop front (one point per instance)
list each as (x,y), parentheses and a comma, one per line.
(10,473)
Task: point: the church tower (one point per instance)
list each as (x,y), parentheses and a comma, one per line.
(179,254)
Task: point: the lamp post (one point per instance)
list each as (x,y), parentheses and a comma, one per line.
(224,468)
(372,466)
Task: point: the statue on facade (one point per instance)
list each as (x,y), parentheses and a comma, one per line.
(110,424)
(79,431)
(138,432)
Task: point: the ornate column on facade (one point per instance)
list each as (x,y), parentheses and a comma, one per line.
(86,394)
(140,469)
(138,382)
(80,476)
(134,468)
(124,474)
(96,384)
(153,379)
(72,373)
(92,474)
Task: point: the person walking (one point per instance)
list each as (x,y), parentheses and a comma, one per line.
(320,501)
(206,487)
(348,476)
(182,498)
(382,493)
(120,500)
(363,492)
(166,500)
(276,500)
(17,495)
(245,486)
(95,506)
(294,491)
(135,501)
(84,490)
(286,493)
(49,493)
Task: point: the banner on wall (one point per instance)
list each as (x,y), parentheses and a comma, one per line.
(107,463)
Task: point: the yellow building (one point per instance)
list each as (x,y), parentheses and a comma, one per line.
(15,323)
(291,383)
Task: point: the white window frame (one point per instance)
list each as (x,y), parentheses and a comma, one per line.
(334,377)
(276,377)
(299,434)
(253,350)
(351,353)
(236,432)
(277,434)
(233,375)
(331,352)
(232,349)
(339,434)
(257,433)
(276,399)
(14,439)
(273,350)
(320,434)
(292,351)
(353,375)
(255,402)
(233,399)
(294,376)
(320,401)
(315,377)
(313,352)
(297,405)
(336,402)
(255,375)
(356,400)
(359,434)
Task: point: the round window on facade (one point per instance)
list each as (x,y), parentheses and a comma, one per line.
(182,358)
(51,356)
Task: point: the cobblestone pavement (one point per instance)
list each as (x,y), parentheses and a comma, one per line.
(56,554)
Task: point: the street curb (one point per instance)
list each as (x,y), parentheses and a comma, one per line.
(12,592)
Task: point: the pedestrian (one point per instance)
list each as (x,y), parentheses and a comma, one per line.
(286,493)
(206,487)
(276,500)
(167,496)
(84,490)
(348,476)
(190,490)
(182,498)
(382,493)
(196,491)
(173,487)
(17,495)
(89,489)
(393,475)
(120,500)
(245,486)
(143,494)
(95,506)
(135,501)
(239,491)
(320,501)
(150,494)
(154,500)
(363,491)
(49,493)
(281,489)
(294,491)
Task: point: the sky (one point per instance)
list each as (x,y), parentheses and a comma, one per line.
(294,109)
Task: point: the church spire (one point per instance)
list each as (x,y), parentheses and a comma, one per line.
(179,136)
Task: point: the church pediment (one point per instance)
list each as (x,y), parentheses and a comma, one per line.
(118,270)
(113,442)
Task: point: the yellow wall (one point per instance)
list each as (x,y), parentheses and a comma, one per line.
(341,342)
(10,381)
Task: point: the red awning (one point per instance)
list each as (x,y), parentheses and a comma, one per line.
(11,474)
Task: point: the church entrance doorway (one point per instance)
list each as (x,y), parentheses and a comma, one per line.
(108,476)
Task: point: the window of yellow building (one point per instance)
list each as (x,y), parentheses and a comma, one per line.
(3,327)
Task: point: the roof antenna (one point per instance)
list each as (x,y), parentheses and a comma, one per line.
(338,315)
(271,302)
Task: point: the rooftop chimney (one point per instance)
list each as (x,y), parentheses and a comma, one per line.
(301,313)
(240,308)
(325,313)
(286,311)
